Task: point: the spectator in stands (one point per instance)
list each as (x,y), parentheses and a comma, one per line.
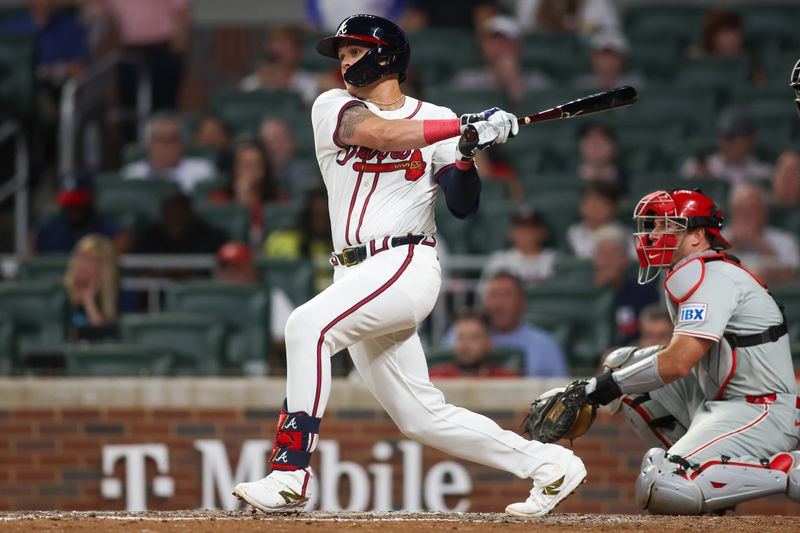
(583,17)
(735,161)
(609,55)
(599,150)
(325,15)
(528,258)
(235,265)
(62,48)
(279,68)
(769,252)
(293,175)
(469,14)
(164,138)
(251,185)
(598,206)
(92,283)
(78,218)
(721,35)
(655,326)
(786,180)
(213,133)
(504,303)
(157,31)
(499,38)
(471,346)
(179,231)
(612,264)
(309,239)
(61,51)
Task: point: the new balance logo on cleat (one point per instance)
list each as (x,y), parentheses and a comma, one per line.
(553,488)
(290,496)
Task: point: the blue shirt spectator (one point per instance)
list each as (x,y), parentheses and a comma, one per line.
(60,39)
(504,303)
(543,355)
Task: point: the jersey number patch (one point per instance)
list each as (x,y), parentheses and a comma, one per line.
(693,313)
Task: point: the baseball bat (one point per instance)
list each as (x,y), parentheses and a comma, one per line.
(594,103)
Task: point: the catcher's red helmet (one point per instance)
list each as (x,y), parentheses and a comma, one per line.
(661,216)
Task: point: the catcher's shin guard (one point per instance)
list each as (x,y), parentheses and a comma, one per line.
(296,438)
(668,484)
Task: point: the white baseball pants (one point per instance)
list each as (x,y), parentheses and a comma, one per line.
(373,309)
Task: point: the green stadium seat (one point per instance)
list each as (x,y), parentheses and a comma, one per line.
(132,201)
(436,63)
(117,360)
(313,60)
(573,271)
(785,217)
(293,276)
(244,111)
(17,77)
(778,67)
(580,317)
(135,151)
(494,191)
(33,314)
(451,230)
(789,296)
(203,189)
(40,268)
(281,215)
(245,311)
(718,74)
(466,101)
(197,341)
(665,23)
(510,358)
(656,61)
(233,219)
(771,30)
(558,54)
(488,231)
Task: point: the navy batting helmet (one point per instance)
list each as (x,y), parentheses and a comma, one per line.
(389,54)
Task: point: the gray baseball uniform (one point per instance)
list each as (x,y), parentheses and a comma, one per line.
(739,402)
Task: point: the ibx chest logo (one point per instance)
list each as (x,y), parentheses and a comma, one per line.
(369,160)
(692,313)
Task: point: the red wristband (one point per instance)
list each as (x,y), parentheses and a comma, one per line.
(439,130)
(462,164)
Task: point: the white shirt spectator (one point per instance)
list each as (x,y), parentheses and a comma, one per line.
(582,239)
(783,243)
(594,16)
(188,173)
(532,270)
(751,170)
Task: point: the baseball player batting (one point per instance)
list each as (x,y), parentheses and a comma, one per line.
(384,156)
(719,403)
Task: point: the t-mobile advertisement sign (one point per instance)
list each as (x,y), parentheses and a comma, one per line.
(372,482)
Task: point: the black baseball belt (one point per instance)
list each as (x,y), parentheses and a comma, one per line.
(356,254)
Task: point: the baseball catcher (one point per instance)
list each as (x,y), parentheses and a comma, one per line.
(718,404)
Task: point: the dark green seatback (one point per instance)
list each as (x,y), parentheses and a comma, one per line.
(510,358)
(295,277)
(117,360)
(243,308)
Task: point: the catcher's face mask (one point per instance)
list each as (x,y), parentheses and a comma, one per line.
(794,82)
(658,228)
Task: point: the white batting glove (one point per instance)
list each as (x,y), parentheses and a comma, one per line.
(506,125)
(487,128)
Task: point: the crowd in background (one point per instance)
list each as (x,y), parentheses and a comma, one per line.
(210,163)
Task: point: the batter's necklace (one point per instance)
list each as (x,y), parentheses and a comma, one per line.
(385,104)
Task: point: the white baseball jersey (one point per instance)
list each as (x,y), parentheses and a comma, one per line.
(373,194)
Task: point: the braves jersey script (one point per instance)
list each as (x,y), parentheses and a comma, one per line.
(374,194)
(721,297)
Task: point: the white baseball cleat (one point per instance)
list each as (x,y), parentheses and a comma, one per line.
(544,498)
(279,492)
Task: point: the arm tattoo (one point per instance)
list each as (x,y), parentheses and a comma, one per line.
(352,117)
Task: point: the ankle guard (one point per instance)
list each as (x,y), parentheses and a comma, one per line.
(296,438)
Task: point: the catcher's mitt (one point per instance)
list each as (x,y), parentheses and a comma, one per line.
(560,413)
